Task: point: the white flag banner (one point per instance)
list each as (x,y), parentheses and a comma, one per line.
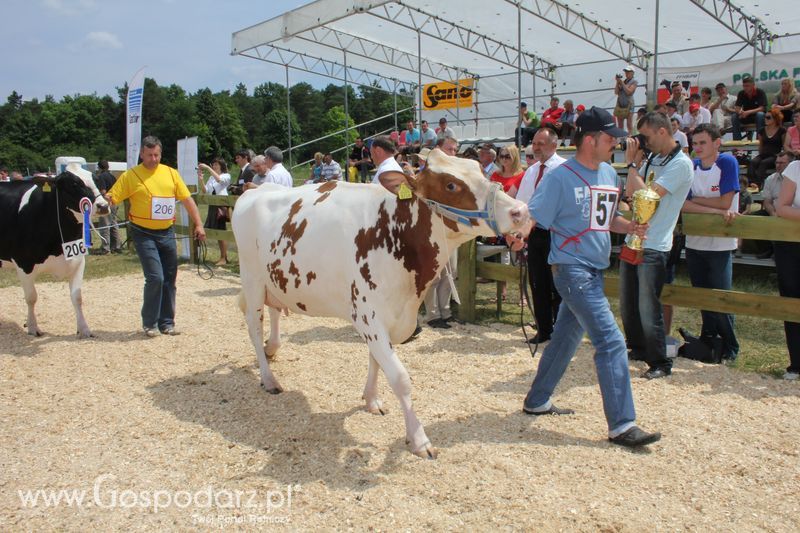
(187,168)
(134,117)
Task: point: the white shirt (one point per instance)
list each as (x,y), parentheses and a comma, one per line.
(681,138)
(706,184)
(389,164)
(332,171)
(792,172)
(703,117)
(489,169)
(218,187)
(528,184)
(279,175)
(772,187)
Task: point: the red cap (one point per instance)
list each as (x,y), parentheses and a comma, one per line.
(694,107)
(581,107)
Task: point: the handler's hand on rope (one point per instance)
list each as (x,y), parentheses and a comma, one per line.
(199,233)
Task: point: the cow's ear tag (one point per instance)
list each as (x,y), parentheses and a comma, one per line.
(46,187)
(404,192)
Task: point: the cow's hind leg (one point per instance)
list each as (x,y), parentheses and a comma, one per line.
(75,282)
(27,281)
(254,315)
(374,404)
(274,342)
(397,376)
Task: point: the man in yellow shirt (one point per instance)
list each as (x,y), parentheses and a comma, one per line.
(153,189)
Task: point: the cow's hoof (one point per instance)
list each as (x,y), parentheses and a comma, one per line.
(376,407)
(85,335)
(35,333)
(274,389)
(427,451)
(270,351)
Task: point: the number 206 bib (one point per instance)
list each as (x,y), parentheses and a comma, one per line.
(162,208)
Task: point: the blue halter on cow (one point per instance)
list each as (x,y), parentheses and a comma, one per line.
(42,231)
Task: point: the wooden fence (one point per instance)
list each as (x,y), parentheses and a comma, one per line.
(749,227)
(741,303)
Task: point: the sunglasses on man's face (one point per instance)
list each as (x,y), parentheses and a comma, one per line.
(529,156)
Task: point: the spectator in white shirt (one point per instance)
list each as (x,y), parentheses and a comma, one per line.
(678,135)
(331,170)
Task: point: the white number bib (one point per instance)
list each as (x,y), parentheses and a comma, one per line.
(162,208)
(604,203)
(74,249)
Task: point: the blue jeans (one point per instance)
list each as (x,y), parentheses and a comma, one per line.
(714,270)
(736,124)
(158,253)
(640,306)
(584,308)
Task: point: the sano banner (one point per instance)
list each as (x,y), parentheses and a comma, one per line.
(133,105)
(770,70)
(447,95)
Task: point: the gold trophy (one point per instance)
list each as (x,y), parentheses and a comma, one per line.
(645,202)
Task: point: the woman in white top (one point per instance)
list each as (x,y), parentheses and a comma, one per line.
(217,184)
(787,261)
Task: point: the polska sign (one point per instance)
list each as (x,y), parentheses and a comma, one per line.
(446,95)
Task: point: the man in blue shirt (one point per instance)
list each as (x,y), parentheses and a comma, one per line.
(641,284)
(412,138)
(578,203)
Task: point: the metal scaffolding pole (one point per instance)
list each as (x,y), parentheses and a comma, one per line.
(289,114)
(653,97)
(346,103)
(519,59)
(394,95)
(419,77)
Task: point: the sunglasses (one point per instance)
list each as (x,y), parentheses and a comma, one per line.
(529,156)
(504,156)
(769,117)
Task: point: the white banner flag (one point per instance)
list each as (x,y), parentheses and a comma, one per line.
(134,117)
(187,168)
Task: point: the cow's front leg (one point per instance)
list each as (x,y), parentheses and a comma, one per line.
(374,404)
(254,315)
(27,281)
(75,282)
(397,376)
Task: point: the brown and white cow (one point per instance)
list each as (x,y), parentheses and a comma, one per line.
(360,253)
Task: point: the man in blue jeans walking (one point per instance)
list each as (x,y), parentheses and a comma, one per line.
(578,203)
(153,189)
(641,284)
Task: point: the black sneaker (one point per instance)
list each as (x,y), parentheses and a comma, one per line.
(552,411)
(439,323)
(539,338)
(657,372)
(635,437)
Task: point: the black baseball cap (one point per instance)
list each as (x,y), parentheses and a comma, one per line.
(598,119)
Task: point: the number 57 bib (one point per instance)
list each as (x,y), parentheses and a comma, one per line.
(162,208)
(604,206)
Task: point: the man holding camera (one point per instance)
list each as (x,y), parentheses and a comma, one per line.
(624,90)
(641,283)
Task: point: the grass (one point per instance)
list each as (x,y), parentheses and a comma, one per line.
(762,342)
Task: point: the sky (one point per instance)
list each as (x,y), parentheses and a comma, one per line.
(67,47)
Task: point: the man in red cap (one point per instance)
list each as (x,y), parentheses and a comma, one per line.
(694,116)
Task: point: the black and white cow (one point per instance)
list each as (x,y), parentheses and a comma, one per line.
(36,219)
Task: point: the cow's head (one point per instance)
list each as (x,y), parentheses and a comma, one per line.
(99,203)
(69,191)
(456,189)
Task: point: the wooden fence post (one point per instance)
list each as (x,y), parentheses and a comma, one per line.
(466,282)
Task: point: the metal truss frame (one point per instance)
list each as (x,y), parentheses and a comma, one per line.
(747,27)
(586,29)
(325,67)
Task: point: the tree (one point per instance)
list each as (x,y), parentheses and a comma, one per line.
(334,122)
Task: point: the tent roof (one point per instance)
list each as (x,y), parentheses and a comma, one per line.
(378,40)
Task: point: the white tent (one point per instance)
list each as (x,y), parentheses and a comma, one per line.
(517,50)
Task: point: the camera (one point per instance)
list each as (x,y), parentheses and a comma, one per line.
(642,143)
(618,76)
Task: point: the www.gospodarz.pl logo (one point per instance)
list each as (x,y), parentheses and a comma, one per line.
(105,494)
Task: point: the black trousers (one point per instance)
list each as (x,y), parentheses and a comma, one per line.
(540,276)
